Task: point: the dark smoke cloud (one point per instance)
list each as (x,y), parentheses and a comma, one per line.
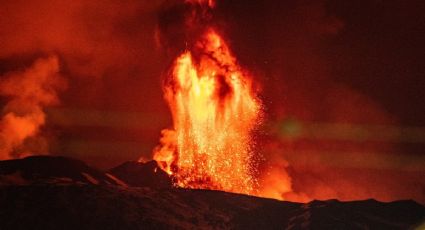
(92,36)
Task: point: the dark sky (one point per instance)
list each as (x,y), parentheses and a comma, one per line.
(385,40)
(327,68)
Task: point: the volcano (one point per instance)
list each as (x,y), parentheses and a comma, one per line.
(242,114)
(45,192)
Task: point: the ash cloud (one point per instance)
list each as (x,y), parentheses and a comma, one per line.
(28,92)
(108,54)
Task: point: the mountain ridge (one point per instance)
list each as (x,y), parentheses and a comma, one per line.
(81,204)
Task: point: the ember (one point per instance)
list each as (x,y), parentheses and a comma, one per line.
(215,110)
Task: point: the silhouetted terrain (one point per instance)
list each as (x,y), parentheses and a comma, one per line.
(47,169)
(54,193)
(142,174)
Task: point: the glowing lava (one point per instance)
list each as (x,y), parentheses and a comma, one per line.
(214,112)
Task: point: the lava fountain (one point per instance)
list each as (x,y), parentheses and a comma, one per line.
(215,110)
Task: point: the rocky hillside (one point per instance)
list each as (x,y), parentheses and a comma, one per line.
(36,200)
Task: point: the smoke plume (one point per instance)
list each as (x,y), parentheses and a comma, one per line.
(27,93)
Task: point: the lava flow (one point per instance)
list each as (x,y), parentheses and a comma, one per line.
(214,112)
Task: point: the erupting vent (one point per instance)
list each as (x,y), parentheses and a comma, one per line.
(214,110)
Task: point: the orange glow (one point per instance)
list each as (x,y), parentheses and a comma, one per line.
(214,112)
(210,3)
(29,92)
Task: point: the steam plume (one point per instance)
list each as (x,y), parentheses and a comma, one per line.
(28,92)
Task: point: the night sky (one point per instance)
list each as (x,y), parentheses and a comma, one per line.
(341,82)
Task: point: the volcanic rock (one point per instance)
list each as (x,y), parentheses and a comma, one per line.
(51,169)
(44,201)
(142,174)
(85,206)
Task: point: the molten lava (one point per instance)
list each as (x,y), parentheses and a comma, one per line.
(214,112)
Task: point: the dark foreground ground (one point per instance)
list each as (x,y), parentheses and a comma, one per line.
(59,193)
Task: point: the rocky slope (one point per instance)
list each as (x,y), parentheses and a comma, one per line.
(48,169)
(82,204)
(138,174)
